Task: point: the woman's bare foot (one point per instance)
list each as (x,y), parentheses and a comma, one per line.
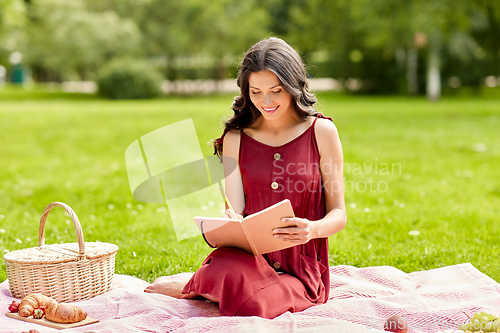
(172,286)
(169,286)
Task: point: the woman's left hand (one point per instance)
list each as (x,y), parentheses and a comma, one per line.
(301,233)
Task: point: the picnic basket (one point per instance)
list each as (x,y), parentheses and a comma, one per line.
(66,272)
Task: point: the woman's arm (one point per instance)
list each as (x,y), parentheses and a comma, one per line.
(233,181)
(331,166)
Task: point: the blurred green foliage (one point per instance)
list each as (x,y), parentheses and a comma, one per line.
(66,41)
(12,27)
(128,79)
(391,45)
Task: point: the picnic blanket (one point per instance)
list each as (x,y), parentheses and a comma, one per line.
(360,301)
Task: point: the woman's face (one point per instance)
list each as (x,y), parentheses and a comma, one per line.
(268,96)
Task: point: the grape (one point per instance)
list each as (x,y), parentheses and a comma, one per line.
(481,321)
(490,316)
(476,325)
(489,328)
(493,326)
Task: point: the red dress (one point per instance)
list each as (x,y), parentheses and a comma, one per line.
(292,279)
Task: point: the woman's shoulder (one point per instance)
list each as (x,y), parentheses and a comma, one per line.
(232,143)
(325,127)
(327,137)
(232,136)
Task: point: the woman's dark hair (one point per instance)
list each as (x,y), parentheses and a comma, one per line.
(275,55)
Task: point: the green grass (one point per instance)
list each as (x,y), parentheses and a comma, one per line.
(445,183)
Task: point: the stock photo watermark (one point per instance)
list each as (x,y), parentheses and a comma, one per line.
(333,176)
(431,324)
(167,166)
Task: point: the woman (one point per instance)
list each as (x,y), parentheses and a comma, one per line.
(284,150)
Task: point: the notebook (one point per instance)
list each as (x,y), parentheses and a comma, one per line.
(254,233)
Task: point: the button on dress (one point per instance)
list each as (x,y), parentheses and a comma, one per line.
(292,279)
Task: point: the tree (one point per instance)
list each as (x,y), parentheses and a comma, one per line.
(12,25)
(319,24)
(225,29)
(67,39)
(488,38)
(399,24)
(320,27)
(215,31)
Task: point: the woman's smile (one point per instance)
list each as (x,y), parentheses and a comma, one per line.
(270,110)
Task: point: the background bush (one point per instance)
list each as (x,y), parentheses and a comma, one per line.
(129,79)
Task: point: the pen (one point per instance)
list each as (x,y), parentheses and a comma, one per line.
(225,198)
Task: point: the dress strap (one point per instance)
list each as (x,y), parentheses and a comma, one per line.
(314,121)
(315,142)
(320,115)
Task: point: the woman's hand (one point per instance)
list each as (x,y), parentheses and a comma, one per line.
(230,214)
(301,233)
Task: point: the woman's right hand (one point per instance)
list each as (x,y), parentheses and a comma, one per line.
(230,214)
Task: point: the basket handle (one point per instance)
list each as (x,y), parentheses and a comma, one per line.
(76,223)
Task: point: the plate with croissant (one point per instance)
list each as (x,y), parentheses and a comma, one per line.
(43,310)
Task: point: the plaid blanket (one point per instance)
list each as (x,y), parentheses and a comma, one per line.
(360,301)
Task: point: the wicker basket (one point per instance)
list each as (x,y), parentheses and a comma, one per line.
(66,272)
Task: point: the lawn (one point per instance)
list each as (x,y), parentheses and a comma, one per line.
(422,179)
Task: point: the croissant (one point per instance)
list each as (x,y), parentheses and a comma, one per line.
(32,301)
(65,313)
